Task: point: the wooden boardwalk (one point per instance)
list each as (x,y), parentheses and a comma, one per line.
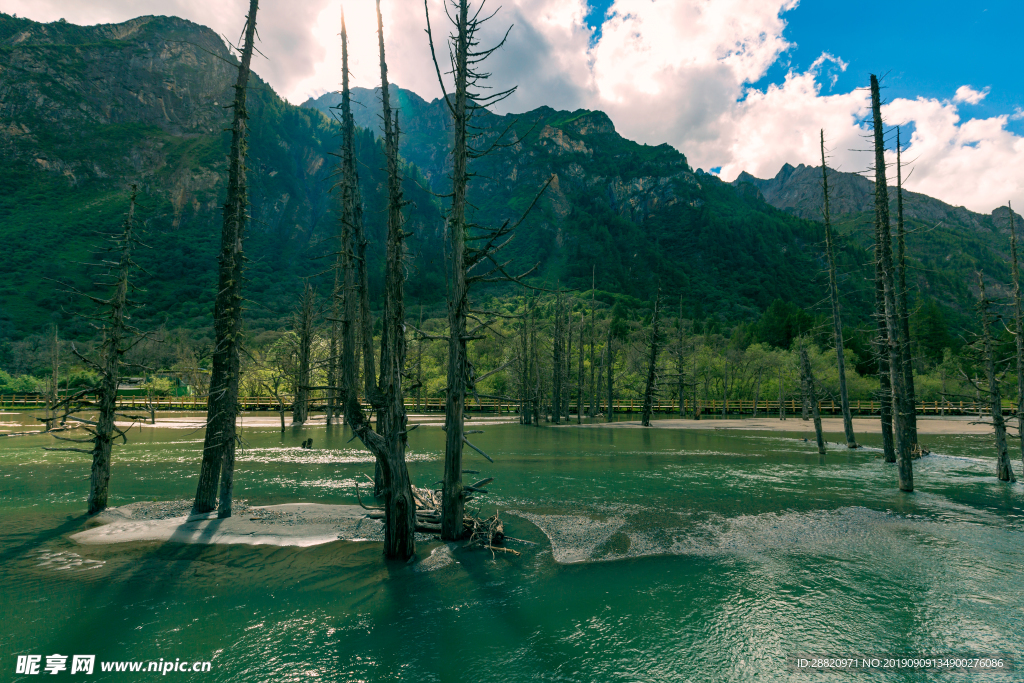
(622,406)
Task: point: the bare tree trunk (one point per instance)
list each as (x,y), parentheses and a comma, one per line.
(333,379)
(399,505)
(54,379)
(611,364)
(757,390)
(222,407)
(807,380)
(837,321)
(600,380)
(805,399)
(115,331)
(725,387)
(568,362)
(453,497)
(1018,319)
(904,466)
(305,321)
(652,366)
(680,362)
(942,409)
(419,363)
(1003,468)
(556,361)
(594,409)
(579,377)
(902,309)
(782,408)
(881,348)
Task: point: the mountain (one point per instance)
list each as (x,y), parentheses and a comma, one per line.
(636,215)
(425,126)
(87,110)
(947,244)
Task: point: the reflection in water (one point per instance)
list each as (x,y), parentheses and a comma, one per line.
(647,555)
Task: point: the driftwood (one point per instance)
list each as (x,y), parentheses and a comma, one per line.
(486,533)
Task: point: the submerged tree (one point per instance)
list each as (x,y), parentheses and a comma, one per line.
(807,380)
(388,443)
(112,322)
(837,321)
(883,238)
(988,356)
(468,99)
(903,310)
(557,351)
(1018,319)
(305,317)
(222,407)
(652,366)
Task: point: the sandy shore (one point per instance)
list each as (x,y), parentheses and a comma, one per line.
(292,524)
(271,420)
(831,425)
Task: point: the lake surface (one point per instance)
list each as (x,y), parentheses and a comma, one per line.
(658,555)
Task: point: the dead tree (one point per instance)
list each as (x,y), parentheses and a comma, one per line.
(305,327)
(557,347)
(593,334)
(388,443)
(680,360)
(112,321)
(782,406)
(652,366)
(1003,468)
(837,321)
(902,309)
(805,398)
(579,376)
(1018,319)
(904,466)
(399,506)
(54,384)
(334,350)
(568,360)
(807,379)
(609,355)
(419,363)
(222,407)
(464,256)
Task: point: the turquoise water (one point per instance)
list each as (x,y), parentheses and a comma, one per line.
(657,555)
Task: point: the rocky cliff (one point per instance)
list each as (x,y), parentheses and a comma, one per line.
(86,110)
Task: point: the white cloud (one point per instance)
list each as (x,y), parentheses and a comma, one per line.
(284,27)
(976,163)
(966,93)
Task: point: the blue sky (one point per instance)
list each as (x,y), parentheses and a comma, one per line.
(929,49)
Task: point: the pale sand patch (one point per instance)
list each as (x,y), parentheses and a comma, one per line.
(833,425)
(291,524)
(198,421)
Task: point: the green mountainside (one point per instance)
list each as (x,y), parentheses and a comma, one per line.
(636,215)
(947,244)
(86,111)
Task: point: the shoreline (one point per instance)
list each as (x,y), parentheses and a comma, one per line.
(926,425)
(289,524)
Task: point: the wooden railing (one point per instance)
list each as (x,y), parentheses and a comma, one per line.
(710,408)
